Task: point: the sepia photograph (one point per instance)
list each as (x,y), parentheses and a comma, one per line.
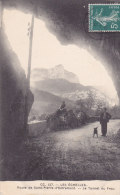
(59,90)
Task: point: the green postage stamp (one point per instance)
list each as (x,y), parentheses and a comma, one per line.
(104,17)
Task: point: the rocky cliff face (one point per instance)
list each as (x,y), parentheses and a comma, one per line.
(13,90)
(58,72)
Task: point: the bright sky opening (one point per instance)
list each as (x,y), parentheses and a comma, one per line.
(47,51)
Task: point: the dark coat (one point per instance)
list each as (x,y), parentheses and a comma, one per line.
(108,117)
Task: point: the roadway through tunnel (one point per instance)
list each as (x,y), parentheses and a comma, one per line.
(73,155)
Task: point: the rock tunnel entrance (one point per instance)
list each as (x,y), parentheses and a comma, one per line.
(68,29)
(90,72)
(18,42)
(13,78)
(15,36)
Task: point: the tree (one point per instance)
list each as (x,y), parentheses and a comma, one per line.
(91,99)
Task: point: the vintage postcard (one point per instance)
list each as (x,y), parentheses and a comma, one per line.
(59,97)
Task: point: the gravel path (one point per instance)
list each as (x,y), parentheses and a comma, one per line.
(76,155)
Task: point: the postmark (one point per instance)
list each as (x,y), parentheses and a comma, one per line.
(104,17)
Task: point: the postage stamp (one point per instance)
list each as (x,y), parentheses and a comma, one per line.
(104,17)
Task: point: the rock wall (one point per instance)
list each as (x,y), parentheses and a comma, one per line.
(13,90)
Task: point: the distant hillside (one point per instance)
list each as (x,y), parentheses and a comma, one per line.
(51,86)
(57,72)
(46,102)
(59,86)
(107,92)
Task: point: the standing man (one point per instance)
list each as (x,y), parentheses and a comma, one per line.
(104,119)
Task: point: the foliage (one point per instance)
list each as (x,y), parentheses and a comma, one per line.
(92,104)
(115,112)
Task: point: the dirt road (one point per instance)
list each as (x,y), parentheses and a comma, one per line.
(75,155)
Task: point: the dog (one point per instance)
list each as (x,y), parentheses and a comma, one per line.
(95,132)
